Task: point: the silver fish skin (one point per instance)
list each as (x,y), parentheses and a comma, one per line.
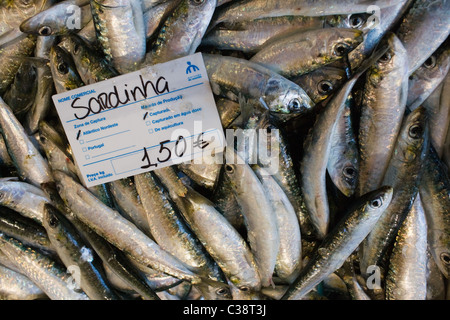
(302,52)
(343,162)
(121,32)
(404,174)
(259,216)
(155,17)
(25,230)
(231,77)
(221,240)
(90,64)
(73,250)
(60,19)
(24,198)
(45,87)
(322,82)
(13,13)
(376,27)
(434,191)
(57,158)
(129,203)
(407,275)
(64,72)
(256,9)
(30,164)
(250,36)
(170,230)
(341,241)
(118,231)
(289,259)
(15,286)
(114,261)
(428,77)
(435,280)
(182,31)
(22,46)
(314,162)
(437,105)
(382,109)
(423,29)
(45,272)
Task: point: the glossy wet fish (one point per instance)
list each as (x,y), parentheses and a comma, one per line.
(428,77)
(382,109)
(15,286)
(94,213)
(407,275)
(404,174)
(169,229)
(302,52)
(221,240)
(341,241)
(343,162)
(434,191)
(75,252)
(120,29)
(48,274)
(423,29)
(256,9)
(254,81)
(60,19)
(182,31)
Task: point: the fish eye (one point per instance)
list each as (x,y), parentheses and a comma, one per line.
(222,291)
(244,289)
(356,21)
(376,203)
(53,222)
(45,31)
(325,86)
(340,49)
(76,48)
(229,168)
(26,2)
(295,105)
(62,68)
(197,2)
(385,57)
(445,258)
(349,172)
(415,131)
(430,63)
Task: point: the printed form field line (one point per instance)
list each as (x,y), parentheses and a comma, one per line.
(140,150)
(114,134)
(163,94)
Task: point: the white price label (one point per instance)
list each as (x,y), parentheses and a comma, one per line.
(141,121)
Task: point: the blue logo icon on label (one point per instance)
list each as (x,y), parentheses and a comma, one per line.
(191,68)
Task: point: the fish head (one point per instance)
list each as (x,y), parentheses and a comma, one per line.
(394,59)
(415,135)
(354,21)
(341,41)
(442,258)
(214,290)
(48,22)
(285,97)
(63,70)
(378,200)
(321,83)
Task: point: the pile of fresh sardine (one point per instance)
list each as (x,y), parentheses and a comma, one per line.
(352,96)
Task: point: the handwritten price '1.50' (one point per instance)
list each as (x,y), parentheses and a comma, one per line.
(179,150)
